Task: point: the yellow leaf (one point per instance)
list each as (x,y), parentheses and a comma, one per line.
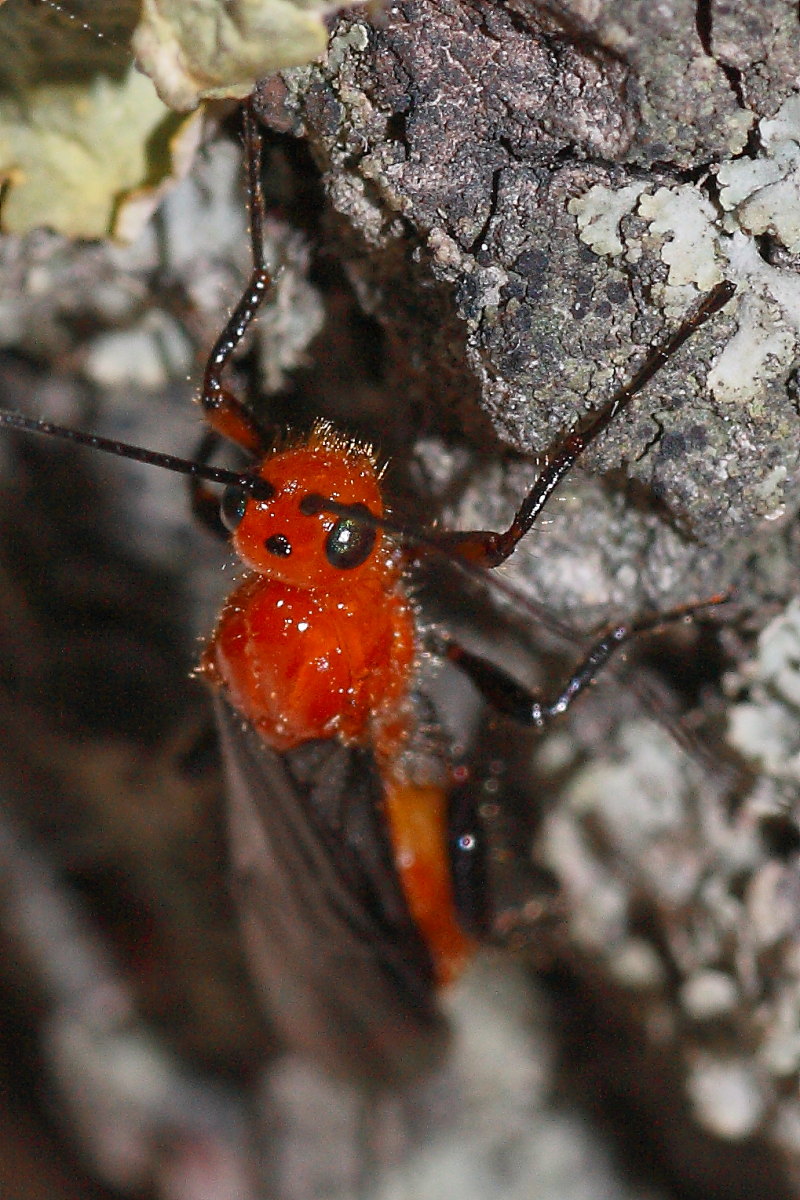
(86,146)
(72,152)
(213,49)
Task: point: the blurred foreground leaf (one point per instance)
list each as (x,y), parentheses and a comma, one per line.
(86,145)
(212,50)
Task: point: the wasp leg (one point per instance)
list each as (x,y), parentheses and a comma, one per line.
(529,708)
(489,548)
(227,416)
(225,413)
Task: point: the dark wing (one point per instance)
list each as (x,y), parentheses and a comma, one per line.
(344,975)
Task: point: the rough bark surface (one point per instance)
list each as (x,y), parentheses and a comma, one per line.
(457,142)
(517,201)
(452,139)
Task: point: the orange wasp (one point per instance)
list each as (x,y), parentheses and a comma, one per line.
(359,895)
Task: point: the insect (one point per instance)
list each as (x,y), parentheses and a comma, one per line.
(359,897)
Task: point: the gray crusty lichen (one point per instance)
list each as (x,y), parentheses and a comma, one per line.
(525,200)
(527,204)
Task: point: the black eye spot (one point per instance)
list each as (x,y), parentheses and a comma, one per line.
(350,542)
(278,545)
(232,506)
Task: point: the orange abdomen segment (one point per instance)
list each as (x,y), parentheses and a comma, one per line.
(417,817)
(301,668)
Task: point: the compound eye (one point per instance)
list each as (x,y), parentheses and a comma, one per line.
(350,542)
(232,506)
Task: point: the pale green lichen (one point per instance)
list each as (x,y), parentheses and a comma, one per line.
(686,218)
(681,214)
(759,195)
(764,193)
(599,212)
(765,345)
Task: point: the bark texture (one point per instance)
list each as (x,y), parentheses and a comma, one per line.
(503,208)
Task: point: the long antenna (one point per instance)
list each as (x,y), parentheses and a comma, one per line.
(258,488)
(255,485)
(482,548)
